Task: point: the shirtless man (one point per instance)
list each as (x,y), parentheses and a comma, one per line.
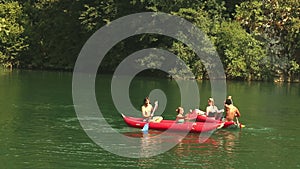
(231,110)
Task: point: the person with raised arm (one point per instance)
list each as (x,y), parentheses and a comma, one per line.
(231,110)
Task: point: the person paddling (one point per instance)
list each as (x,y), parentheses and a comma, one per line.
(147,109)
(231,110)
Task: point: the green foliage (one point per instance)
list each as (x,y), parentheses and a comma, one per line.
(55,34)
(96,14)
(12,40)
(242,55)
(262,42)
(276,23)
(199,18)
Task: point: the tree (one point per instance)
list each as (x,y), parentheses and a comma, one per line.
(12,39)
(277,24)
(243,56)
(199,18)
(55,34)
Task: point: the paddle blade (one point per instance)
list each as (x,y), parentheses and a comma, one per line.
(221,125)
(146,127)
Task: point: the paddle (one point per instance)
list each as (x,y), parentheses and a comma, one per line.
(146,126)
(221,125)
(239,124)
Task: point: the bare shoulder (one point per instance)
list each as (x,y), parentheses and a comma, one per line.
(235,108)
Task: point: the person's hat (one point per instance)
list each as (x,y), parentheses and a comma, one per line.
(211,99)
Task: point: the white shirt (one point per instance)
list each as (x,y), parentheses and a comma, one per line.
(211,109)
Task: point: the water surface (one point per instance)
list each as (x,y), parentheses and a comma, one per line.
(39,127)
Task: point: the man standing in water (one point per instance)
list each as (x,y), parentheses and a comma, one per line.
(231,110)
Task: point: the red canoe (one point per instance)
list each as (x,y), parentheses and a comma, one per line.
(231,124)
(202,118)
(195,127)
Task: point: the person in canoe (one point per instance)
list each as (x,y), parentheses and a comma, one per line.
(192,115)
(180,118)
(212,110)
(231,110)
(147,109)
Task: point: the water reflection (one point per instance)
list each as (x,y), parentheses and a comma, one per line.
(148,146)
(203,148)
(154,141)
(224,138)
(229,140)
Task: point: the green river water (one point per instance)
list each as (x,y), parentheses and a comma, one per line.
(39,127)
